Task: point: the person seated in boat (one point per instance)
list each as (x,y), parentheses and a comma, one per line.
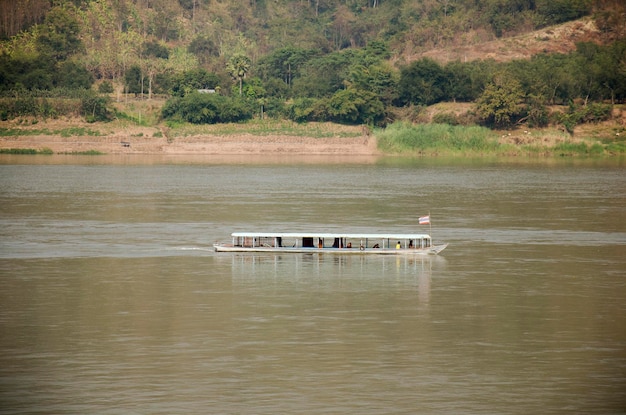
(349,245)
(320,244)
(398,245)
(411,244)
(376,246)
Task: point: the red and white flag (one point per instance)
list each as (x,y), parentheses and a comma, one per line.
(424,220)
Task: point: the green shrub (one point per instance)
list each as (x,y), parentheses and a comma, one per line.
(301,110)
(199,108)
(445,118)
(105,88)
(94,107)
(584,114)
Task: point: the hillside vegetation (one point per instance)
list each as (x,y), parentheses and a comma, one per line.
(500,64)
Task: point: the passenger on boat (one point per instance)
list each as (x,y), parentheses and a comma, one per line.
(411,243)
(349,245)
(398,245)
(376,246)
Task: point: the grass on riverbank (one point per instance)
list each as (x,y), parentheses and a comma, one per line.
(63,132)
(436,139)
(266,127)
(45,151)
(443,139)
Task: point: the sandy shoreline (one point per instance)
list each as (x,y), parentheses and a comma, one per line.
(241,144)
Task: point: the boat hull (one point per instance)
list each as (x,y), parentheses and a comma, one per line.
(433,250)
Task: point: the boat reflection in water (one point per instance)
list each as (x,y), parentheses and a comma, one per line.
(312,272)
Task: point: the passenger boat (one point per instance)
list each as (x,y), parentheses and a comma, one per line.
(332,243)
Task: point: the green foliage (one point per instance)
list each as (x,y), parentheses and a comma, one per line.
(592,113)
(445,118)
(353,106)
(559,11)
(199,108)
(85,153)
(284,63)
(618,147)
(105,87)
(301,110)
(253,89)
(349,106)
(94,107)
(323,75)
(155,49)
(238,66)
(435,138)
(578,148)
(187,82)
(60,33)
(65,132)
(45,151)
(499,105)
(134,80)
(380,79)
(422,83)
(25,73)
(18,151)
(73,76)
(204,48)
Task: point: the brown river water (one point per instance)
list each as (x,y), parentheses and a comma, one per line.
(112,300)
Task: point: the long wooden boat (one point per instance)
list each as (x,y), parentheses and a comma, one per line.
(332,243)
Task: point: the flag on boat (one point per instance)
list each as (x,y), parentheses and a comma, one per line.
(424,220)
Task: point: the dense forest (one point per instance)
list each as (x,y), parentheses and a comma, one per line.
(346,61)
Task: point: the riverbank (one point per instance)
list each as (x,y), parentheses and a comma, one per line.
(236,144)
(73,136)
(279,137)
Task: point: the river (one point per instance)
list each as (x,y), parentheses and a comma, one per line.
(113,301)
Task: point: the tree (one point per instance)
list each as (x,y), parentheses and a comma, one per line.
(94,107)
(134,80)
(59,36)
(353,106)
(381,79)
(155,49)
(191,81)
(459,84)
(323,75)
(199,108)
(559,11)
(204,48)
(284,63)
(422,83)
(500,102)
(238,66)
(73,76)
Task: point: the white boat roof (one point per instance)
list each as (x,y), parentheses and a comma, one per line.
(330,235)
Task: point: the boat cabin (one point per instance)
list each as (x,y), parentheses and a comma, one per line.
(331,240)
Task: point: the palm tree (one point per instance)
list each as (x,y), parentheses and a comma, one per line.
(238,66)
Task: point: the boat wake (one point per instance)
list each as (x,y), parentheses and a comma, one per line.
(193,248)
